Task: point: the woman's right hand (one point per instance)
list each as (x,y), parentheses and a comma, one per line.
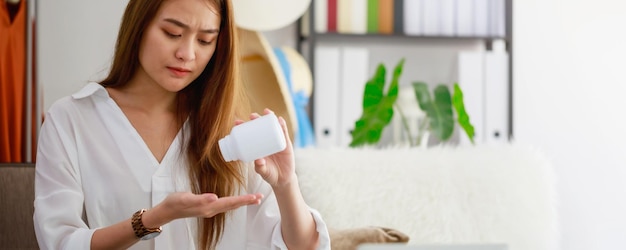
(184,205)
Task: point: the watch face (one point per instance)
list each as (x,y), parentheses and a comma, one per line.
(150,236)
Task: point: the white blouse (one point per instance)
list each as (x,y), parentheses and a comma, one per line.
(94,170)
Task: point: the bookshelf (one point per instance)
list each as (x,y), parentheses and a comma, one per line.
(308,40)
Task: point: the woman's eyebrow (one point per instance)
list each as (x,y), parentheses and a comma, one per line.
(185,26)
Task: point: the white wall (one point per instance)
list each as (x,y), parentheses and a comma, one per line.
(75,40)
(570,71)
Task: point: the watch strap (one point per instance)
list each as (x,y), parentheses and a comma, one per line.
(140,230)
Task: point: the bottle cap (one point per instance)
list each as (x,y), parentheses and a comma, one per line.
(227,151)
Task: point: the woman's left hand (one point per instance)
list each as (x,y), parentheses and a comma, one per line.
(278,169)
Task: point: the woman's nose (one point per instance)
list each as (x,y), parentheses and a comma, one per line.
(186,52)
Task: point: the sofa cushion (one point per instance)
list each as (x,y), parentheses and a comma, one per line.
(479,194)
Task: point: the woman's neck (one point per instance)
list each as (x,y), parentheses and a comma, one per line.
(144,96)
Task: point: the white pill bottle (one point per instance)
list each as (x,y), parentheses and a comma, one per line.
(253,139)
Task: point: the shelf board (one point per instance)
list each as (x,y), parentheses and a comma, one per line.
(396,36)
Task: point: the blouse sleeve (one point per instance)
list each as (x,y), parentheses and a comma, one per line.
(264,220)
(59,202)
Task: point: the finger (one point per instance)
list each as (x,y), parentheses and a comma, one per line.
(260,167)
(254,116)
(209,197)
(259,161)
(238,121)
(198,200)
(233,202)
(267,111)
(283,125)
(258,198)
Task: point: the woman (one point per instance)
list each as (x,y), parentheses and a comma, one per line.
(133,162)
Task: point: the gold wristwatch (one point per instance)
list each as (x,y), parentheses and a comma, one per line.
(141,231)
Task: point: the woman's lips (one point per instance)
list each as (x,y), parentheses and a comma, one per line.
(179,72)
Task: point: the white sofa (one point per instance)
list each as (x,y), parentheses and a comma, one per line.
(441,195)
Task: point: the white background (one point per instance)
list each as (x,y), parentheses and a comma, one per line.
(570,81)
(569,85)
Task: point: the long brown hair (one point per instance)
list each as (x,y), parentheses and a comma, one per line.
(210,105)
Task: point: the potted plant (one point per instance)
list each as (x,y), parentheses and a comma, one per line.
(443,110)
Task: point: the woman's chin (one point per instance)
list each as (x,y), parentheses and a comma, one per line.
(176,85)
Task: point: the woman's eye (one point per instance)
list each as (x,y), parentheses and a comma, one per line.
(203,42)
(172,35)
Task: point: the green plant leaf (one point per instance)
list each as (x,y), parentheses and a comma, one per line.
(462,117)
(438,110)
(377,107)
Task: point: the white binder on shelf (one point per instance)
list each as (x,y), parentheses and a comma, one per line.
(464,18)
(497,19)
(481,18)
(321,16)
(413,16)
(358,14)
(497,96)
(448,17)
(432,17)
(471,81)
(326,95)
(354,75)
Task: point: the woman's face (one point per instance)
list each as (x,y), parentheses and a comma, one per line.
(178,43)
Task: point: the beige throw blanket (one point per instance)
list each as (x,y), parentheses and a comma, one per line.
(349,239)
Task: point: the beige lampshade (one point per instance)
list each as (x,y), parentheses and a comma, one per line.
(264,15)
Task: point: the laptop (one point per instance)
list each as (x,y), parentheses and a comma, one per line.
(392,246)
